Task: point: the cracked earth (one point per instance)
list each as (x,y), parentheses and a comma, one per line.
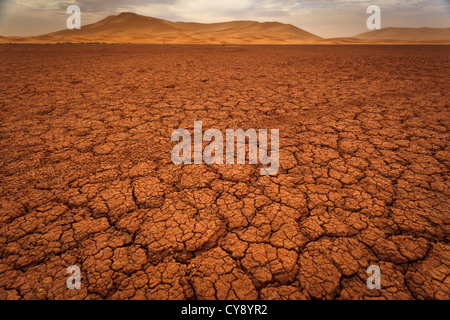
(86,176)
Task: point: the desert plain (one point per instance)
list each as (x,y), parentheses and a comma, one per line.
(86,176)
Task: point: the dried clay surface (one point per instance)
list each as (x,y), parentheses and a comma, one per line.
(86,176)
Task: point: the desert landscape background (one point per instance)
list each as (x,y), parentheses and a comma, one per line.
(128,27)
(86,176)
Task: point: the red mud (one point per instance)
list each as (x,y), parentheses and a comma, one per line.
(86,176)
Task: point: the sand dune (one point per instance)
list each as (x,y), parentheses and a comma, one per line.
(408,34)
(133,28)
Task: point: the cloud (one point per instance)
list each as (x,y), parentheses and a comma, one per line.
(204,8)
(87,5)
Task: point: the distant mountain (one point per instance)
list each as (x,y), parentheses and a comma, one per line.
(408,34)
(130,27)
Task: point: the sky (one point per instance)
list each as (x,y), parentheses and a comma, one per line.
(325,18)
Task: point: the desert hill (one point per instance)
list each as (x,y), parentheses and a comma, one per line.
(130,27)
(408,34)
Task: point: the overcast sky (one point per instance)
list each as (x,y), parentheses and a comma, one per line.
(326,18)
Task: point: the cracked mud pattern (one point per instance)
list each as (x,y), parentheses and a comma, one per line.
(86,176)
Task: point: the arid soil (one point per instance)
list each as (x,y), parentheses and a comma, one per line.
(86,176)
